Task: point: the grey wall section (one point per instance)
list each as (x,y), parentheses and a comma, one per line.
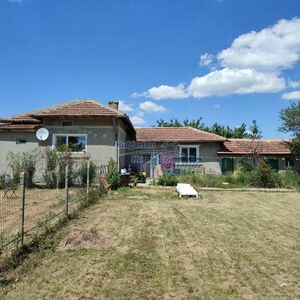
(8,143)
(209,157)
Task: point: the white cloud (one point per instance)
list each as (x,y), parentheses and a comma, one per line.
(291,96)
(292,84)
(164,92)
(136,95)
(271,49)
(125,107)
(206,59)
(150,106)
(138,119)
(235,81)
(254,63)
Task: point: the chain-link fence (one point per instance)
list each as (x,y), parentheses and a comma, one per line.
(29,206)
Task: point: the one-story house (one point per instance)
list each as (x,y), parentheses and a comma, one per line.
(85,126)
(213,153)
(104,132)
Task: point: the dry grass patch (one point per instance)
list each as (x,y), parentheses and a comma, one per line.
(225,245)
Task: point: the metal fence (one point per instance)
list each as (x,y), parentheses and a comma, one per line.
(25,212)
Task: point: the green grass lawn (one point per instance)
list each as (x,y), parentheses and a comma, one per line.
(138,244)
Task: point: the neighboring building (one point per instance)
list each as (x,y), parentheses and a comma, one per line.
(86,126)
(275,152)
(103,132)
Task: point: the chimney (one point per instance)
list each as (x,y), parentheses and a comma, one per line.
(114,104)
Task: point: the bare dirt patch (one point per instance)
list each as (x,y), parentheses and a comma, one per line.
(83,240)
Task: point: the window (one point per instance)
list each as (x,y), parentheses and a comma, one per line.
(227,165)
(75,142)
(20,141)
(273,163)
(189,154)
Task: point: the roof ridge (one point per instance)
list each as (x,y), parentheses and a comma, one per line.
(206,132)
(262,140)
(62,105)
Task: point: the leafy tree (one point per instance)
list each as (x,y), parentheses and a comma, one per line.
(290,118)
(237,132)
(199,124)
(176,123)
(254,130)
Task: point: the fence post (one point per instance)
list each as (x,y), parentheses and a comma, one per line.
(67,191)
(57,176)
(22,207)
(88,177)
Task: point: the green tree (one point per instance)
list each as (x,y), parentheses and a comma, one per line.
(290,118)
(239,132)
(255,133)
(176,123)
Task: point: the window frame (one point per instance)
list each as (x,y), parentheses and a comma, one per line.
(188,158)
(67,135)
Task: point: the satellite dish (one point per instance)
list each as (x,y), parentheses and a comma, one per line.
(42,134)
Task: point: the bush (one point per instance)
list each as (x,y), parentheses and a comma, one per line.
(2,180)
(95,194)
(57,160)
(113,176)
(22,162)
(261,177)
(244,166)
(83,172)
(207,180)
(167,179)
(290,179)
(265,176)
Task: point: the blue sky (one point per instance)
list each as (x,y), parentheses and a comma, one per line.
(162,59)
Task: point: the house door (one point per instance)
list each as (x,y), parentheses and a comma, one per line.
(227,165)
(146,167)
(273,163)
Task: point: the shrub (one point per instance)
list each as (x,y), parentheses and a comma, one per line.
(207,180)
(50,175)
(290,179)
(83,172)
(57,160)
(167,179)
(113,176)
(2,180)
(95,194)
(23,162)
(264,176)
(244,166)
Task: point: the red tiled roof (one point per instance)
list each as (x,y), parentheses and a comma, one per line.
(263,147)
(77,108)
(21,127)
(82,108)
(24,118)
(178,134)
